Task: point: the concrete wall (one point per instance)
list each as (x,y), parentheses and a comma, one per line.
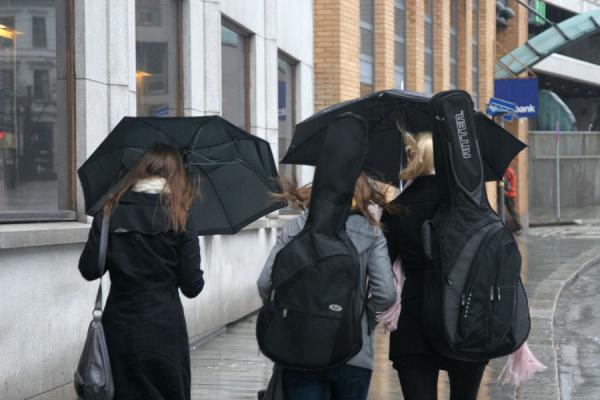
(45,305)
(579,171)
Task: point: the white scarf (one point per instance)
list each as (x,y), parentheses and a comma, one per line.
(151,185)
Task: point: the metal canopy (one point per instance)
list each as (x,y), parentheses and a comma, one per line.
(548,42)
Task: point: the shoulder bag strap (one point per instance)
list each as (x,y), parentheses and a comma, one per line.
(102,260)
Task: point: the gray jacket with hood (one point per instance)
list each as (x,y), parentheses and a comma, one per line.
(376,272)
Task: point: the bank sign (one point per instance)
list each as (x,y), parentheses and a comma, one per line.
(521,91)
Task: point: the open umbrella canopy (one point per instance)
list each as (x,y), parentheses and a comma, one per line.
(381,111)
(237,169)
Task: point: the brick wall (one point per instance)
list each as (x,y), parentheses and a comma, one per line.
(441,45)
(336,51)
(384,44)
(415,42)
(465,52)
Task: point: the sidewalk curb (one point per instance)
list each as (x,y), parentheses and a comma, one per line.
(543,311)
(595,260)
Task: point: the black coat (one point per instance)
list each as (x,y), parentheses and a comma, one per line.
(409,346)
(418,203)
(143,319)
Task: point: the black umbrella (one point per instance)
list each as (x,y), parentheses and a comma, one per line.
(381,110)
(237,170)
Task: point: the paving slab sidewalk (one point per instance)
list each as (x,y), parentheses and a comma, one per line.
(230,367)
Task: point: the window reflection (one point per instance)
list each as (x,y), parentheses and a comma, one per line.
(286,99)
(235,87)
(157,57)
(34,173)
(475,47)
(453,44)
(400,43)
(367,47)
(429,57)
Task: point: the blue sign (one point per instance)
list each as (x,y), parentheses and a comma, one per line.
(161,111)
(522,91)
(499,106)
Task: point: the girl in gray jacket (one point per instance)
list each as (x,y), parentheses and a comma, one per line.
(350,381)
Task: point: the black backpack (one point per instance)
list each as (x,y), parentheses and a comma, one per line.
(474,306)
(312,319)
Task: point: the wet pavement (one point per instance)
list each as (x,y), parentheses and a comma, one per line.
(577,336)
(230,367)
(587,214)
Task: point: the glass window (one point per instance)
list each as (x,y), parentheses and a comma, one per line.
(41,85)
(453,44)
(429,46)
(286,88)
(158,67)
(39,32)
(400,44)
(475,47)
(235,76)
(367,46)
(35,106)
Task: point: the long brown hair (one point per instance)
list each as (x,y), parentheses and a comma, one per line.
(365,194)
(180,189)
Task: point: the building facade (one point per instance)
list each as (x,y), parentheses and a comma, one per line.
(424,46)
(69,71)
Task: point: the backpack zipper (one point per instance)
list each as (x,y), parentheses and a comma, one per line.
(473,272)
(492,305)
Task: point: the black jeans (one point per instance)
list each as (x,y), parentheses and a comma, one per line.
(420,383)
(342,383)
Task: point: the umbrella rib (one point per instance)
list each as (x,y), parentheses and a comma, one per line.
(381,119)
(218,198)
(159,131)
(193,140)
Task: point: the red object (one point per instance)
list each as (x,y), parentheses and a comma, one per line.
(511,187)
(2,135)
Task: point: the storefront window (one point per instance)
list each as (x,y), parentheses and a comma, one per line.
(158,67)
(35,106)
(400,44)
(453,44)
(367,46)
(235,76)
(475,47)
(429,46)
(286,87)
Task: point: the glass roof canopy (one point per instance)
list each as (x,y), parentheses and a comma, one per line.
(548,42)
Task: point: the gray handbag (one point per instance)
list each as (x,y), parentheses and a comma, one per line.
(93,379)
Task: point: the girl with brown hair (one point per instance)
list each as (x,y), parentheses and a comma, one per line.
(151,254)
(349,381)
